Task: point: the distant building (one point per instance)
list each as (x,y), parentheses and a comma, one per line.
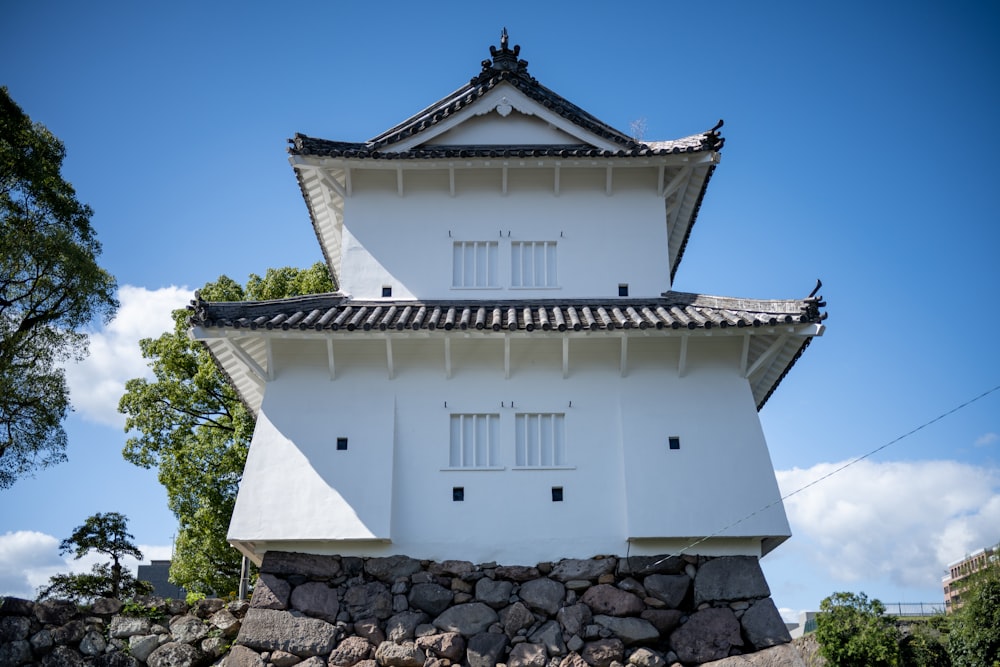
(158,573)
(961,569)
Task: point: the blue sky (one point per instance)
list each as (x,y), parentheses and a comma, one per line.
(861,149)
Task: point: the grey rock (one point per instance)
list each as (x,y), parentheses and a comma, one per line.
(202,608)
(606,599)
(141,646)
(41,641)
(71,633)
(527,655)
(106,606)
(730,578)
(671,588)
(629,630)
(430,597)
(16,652)
(517,573)
(62,656)
(543,595)
(452,568)
(467,619)
(708,635)
(370,629)
(214,646)
(574,618)
(93,643)
(603,652)
(312,566)
(241,656)
(314,661)
(314,598)
(778,656)
(175,654)
(447,645)
(549,635)
(270,592)
(485,649)
(644,657)
(188,629)
(574,644)
(573,660)
(589,569)
(284,659)
(391,568)
(763,626)
(225,622)
(403,626)
(515,618)
(270,630)
(11,606)
(369,600)
(494,593)
(578,585)
(55,612)
(123,627)
(664,620)
(641,566)
(399,603)
(350,651)
(406,654)
(14,628)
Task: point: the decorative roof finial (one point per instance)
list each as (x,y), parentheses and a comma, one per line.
(505,58)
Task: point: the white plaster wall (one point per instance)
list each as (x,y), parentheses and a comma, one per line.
(406,242)
(393,481)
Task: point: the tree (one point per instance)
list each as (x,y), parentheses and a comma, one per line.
(190,424)
(50,286)
(106,534)
(853,631)
(974,640)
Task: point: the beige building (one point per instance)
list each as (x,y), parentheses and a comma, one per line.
(961,569)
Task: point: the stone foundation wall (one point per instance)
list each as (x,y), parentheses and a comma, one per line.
(319,611)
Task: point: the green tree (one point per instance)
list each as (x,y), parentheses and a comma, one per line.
(189,423)
(50,286)
(974,640)
(106,534)
(925,643)
(853,631)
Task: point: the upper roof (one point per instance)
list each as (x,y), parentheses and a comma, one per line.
(777,330)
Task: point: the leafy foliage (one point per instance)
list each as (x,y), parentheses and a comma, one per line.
(974,640)
(190,424)
(854,632)
(50,286)
(925,644)
(106,534)
(84,587)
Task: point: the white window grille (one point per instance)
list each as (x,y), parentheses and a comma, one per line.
(533,264)
(474,441)
(474,264)
(540,440)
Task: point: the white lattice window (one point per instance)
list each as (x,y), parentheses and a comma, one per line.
(540,440)
(533,264)
(474,264)
(475,440)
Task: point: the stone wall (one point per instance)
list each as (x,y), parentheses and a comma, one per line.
(318,611)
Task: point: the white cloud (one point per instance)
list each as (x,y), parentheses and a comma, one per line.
(986,439)
(899,521)
(97,383)
(29,558)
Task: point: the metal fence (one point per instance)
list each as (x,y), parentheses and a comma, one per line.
(914,608)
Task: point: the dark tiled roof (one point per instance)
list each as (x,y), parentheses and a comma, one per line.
(674,310)
(503,67)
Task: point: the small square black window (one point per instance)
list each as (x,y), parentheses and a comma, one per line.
(386,291)
(557,494)
(675,442)
(458,493)
(622,289)
(341,444)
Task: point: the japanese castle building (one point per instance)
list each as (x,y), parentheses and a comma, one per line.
(506,374)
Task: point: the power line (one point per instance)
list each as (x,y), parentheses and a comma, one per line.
(831,473)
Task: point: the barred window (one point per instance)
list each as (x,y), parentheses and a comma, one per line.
(474,441)
(474,264)
(540,440)
(533,264)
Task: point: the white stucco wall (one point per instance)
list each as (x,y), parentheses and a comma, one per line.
(393,482)
(602,241)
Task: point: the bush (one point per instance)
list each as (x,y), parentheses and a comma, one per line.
(854,632)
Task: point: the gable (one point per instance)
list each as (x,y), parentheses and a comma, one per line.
(509,127)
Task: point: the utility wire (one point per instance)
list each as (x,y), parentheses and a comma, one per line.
(829,474)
